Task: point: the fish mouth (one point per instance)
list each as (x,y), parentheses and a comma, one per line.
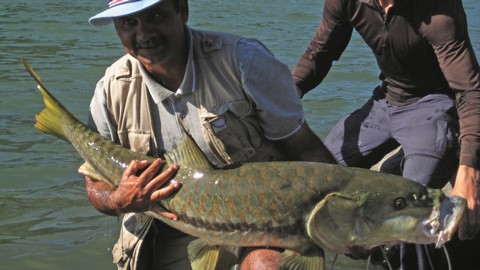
(444,220)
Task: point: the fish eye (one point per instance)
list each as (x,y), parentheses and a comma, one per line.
(399,203)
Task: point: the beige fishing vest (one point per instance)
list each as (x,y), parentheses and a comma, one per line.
(221,96)
(218,91)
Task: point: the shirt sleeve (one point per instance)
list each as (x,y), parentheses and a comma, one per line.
(269,85)
(327,45)
(448,34)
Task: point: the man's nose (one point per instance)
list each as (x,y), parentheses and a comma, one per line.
(144,31)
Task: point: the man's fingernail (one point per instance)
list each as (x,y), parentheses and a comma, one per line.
(175,183)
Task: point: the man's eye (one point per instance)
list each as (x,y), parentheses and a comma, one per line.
(125,21)
(157,17)
(128,22)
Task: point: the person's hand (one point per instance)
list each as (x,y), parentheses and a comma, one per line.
(135,193)
(467,186)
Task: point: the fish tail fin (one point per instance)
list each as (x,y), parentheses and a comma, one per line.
(49,120)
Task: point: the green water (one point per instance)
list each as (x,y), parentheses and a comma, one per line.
(46,221)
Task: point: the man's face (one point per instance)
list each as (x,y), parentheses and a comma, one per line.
(155,35)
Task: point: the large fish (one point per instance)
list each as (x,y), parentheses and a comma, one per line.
(303,207)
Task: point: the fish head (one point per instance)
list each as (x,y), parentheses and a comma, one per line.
(384,215)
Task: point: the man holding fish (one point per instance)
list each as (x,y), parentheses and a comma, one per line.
(429,100)
(237,101)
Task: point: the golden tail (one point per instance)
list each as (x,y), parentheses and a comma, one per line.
(49,120)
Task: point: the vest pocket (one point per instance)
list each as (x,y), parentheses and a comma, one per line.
(231,137)
(136,140)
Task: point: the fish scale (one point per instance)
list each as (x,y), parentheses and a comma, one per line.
(278,218)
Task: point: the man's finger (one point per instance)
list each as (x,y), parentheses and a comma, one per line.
(165,191)
(161,211)
(153,169)
(169,215)
(162,178)
(134,167)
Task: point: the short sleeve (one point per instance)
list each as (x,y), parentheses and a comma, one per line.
(269,85)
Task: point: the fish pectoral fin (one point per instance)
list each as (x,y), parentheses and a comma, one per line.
(204,256)
(312,259)
(334,221)
(87,170)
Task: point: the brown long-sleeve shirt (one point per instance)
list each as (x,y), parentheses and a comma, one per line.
(421,47)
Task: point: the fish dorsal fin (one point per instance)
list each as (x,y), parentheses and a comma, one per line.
(188,152)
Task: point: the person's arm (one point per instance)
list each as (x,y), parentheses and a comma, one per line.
(305,145)
(267,82)
(467,181)
(447,32)
(327,45)
(134,193)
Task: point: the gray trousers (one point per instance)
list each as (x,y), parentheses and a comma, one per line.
(426,129)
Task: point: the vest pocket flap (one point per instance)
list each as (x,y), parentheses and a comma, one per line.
(137,140)
(240,108)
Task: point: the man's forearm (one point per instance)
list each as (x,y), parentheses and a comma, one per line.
(99,195)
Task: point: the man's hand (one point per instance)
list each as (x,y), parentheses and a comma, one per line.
(135,193)
(467,186)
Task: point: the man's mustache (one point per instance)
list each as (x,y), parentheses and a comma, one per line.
(149,44)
